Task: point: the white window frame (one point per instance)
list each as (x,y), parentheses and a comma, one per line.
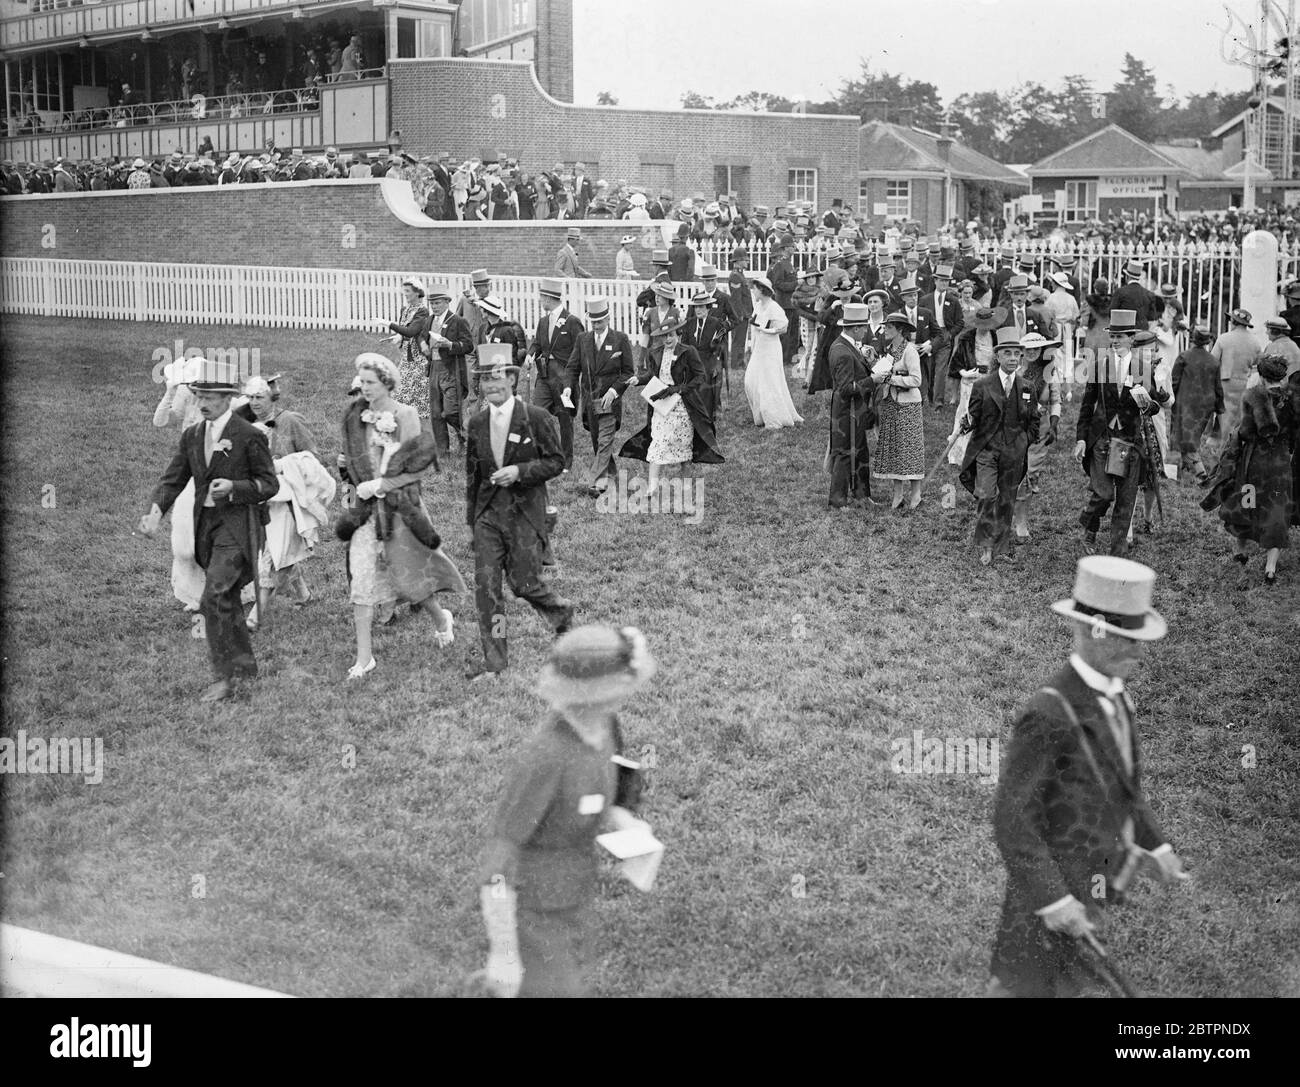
(1074,210)
(864,199)
(893,208)
(805,188)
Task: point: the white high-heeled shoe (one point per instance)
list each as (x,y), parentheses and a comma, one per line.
(358,672)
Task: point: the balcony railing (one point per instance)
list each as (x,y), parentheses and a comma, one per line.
(50,21)
(227,107)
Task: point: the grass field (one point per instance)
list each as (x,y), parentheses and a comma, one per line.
(793,642)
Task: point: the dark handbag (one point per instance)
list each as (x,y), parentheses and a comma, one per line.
(1121,455)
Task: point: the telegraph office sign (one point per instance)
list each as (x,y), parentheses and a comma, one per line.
(1142,188)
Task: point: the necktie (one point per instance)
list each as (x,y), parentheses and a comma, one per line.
(1020,321)
(938,309)
(208,442)
(500,429)
(1117,716)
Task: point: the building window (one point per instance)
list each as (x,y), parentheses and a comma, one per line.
(898,199)
(864,199)
(735,179)
(802,186)
(484,21)
(1080,201)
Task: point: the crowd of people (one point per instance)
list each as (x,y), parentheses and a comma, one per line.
(1202,227)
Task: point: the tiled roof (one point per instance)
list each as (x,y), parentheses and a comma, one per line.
(896,148)
(1108,150)
(1211,165)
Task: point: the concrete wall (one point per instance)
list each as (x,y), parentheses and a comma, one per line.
(471,107)
(303,224)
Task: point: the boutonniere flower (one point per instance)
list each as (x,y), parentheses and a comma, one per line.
(223,446)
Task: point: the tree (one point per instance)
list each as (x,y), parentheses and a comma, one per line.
(981,122)
(604,98)
(758,102)
(692,100)
(1134,103)
(922,98)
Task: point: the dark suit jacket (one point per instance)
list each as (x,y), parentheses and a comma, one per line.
(1057,826)
(784,280)
(681,263)
(924,324)
(708,337)
(952,315)
(742,302)
(555,343)
(247,464)
(1034,322)
(690,381)
(1004,423)
(593,373)
(533,444)
(1146,304)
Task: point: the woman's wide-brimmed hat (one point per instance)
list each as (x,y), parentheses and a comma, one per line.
(1241,317)
(900,319)
(986,319)
(493,305)
(764,282)
(1114,595)
(373,360)
(1036,341)
(665,290)
(1061,280)
(670,325)
(595,663)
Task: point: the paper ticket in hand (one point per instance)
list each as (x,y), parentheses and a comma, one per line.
(566,399)
(639,852)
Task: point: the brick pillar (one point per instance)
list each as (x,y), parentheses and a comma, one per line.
(554,61)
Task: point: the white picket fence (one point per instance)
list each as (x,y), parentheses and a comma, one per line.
(310,298)
(1208,280)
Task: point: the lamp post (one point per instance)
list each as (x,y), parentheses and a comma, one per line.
(1251,138)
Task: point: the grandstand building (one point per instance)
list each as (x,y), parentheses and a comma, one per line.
(486,79)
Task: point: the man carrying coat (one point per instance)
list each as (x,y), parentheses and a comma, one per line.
(1003,416)
(852,414)
(601,370)
(1070,818)
(234,476)
(511,451)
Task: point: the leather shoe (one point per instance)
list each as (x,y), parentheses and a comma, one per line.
(482,675)
(1089,543)
(986,556)
(219,691)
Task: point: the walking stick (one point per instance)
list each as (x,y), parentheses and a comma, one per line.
(256,553)
(1103,967)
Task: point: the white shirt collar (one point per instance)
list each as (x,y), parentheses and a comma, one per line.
(507,408)
(218,425)
(1110,686)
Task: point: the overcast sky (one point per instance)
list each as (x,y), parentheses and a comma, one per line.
(649,52)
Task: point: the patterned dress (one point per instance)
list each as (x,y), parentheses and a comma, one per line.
(671,432)
(900,444)
(412,365)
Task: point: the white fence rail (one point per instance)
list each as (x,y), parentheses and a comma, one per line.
(316,298)
(1208,282)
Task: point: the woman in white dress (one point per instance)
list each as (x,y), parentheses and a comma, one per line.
(682,432)
(765,383)
(179,407)
(389,562)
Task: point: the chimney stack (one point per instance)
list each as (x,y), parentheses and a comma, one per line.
(904,115)
(944,142)
(876,109)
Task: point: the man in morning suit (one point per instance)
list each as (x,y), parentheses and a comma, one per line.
(1070,817)
(785,281)
(1115,399)
(946,321)
(450,343)
(852,414)
(706,331)
(1003,417)
(511,452)
(553,347)
(923,321)
(230,463)
(742,304)
(1019,316)
(600,372)
(1134,296)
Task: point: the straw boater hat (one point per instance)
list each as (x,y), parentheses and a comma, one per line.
(595,663)
(665,290)
(703,298)
(1007,337)
(493,305)
(372,360)
(1114,595)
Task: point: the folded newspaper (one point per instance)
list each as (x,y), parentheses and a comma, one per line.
(638,852)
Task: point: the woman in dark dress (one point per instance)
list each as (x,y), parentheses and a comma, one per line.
(1257,504)
(567,785)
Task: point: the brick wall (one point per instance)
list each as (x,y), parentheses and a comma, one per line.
(306,224)
(555,48)
(498,105)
